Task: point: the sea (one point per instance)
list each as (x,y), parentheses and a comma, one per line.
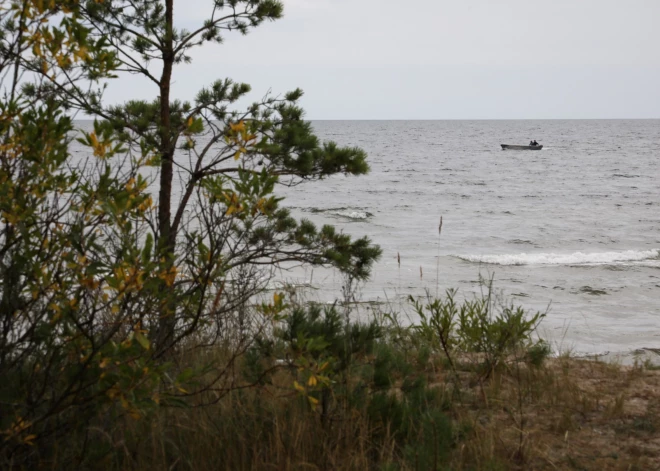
(572,230)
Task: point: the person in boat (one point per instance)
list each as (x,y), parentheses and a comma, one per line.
(533,143)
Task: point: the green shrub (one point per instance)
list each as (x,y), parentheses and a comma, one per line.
(538,352)
(482,326)
(369,376)
(437,322)
(494,333)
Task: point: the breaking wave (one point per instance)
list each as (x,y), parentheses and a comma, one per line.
(576,258)
(349,213)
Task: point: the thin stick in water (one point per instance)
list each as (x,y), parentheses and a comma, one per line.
(437,269)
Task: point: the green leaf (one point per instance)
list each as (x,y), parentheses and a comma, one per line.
(147,250)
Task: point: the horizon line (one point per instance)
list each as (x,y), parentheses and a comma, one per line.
(482,119)
(457,119)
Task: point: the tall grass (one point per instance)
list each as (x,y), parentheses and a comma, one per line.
(322,392)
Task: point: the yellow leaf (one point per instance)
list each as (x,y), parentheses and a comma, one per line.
(142,340)
(313,400)
(298,387)
(311,381)
(237,127)
(237,155)
(81,53)
(58,312)
(9,217)
(190,121)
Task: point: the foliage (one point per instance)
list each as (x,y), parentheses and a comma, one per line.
(116,300)
(318,345)
(226,235)
(361,373)
(480,326)
(415,426)
(495,333)
(106,290)
(71,342)
(538,353)
(437,323)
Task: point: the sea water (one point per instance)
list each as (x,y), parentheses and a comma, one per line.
(572,230)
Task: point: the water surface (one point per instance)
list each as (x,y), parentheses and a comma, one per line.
(575,226)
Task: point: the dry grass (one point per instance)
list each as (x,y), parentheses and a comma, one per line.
(567,414)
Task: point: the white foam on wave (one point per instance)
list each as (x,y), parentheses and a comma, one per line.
(351,214)
(576,258)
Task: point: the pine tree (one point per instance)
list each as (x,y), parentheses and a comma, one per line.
(226,233)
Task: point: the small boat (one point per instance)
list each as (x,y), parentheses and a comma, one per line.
(511,147)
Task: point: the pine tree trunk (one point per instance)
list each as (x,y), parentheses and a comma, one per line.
(166,239)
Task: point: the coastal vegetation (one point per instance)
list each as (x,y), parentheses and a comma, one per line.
(137,327)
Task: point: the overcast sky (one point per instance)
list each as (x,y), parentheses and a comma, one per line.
(439,59)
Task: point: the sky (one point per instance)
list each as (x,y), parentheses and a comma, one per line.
(437,59)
